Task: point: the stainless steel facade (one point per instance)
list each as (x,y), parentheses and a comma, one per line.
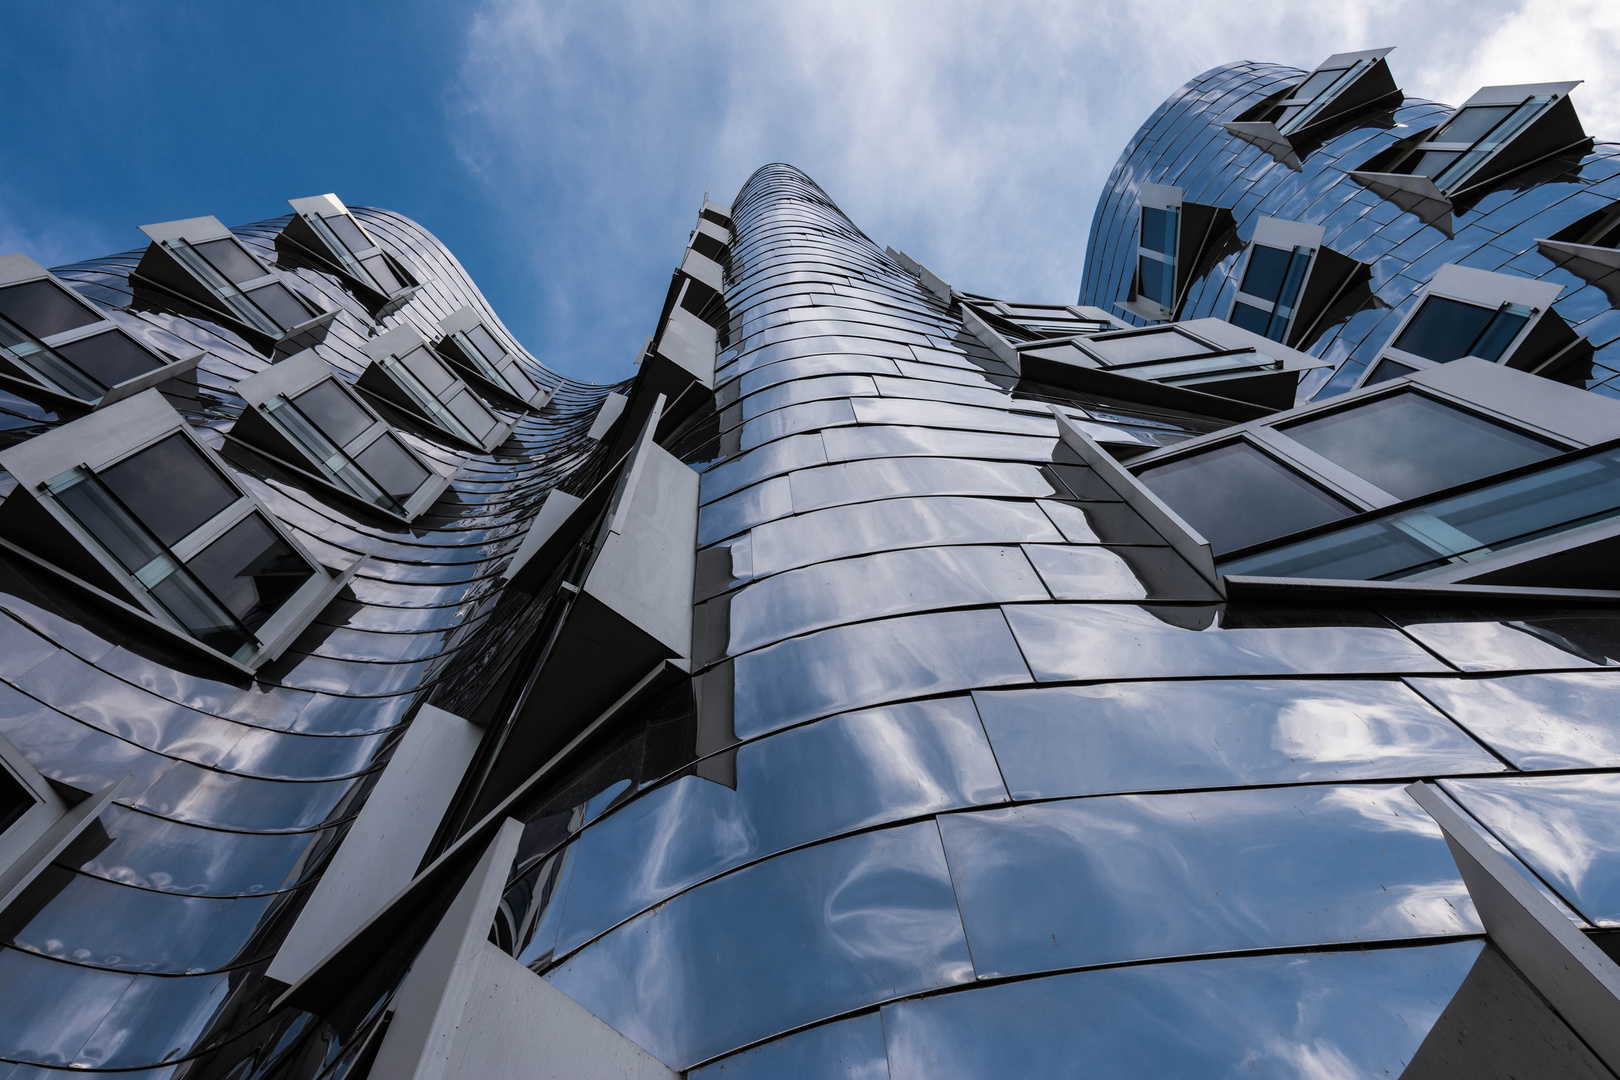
(850,694)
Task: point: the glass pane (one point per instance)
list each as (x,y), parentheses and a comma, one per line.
(334,411)
(192,606)
(1153,345)
(470,411)
(93,507)
(251,569)
(384,275)
(1250,318)
(431,373)
(281,305)
(1500,332)
(1236,496)
(348,232)
(1471,123)
(1368,552)
(392,467)
(1386,370)
(1443,330)
(44,308)
(228,257)
(1411,445)
(1549,501)
(171,487)
(1268,266)
(109,358)
(1158,283)
(1432,163)
(485,343)
(1159,230)
(1319,81)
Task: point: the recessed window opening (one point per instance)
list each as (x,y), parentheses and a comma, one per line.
(1444,330)
(188,538)
(50,338)
(324,422)
(225,268)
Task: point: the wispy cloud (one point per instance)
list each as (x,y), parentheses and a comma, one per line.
(974,136)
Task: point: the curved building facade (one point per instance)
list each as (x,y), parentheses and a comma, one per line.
(886,681)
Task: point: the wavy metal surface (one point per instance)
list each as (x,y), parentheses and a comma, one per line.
(1183,144)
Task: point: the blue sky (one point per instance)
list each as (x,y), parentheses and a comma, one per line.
(561,149)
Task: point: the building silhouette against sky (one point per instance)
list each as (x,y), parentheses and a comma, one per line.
(1214,676)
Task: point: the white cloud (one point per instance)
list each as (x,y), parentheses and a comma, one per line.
(50,239)
(974,136)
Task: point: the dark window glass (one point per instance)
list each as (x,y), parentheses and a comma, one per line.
(1443,329)
(485,343)
(278,302)
(1470,125)
(1411,445)
(1268,267)
(1236,496)
(429,370)
(392,468)
(44,308)
(470,411)
(1319,81)
(1156,283)
(229,259)
(334,411)
(1432,163)
(109,358)
(1154,345)
(1499,333)
(251,570)
(15,800)
(1386,370)
(171,487)
(348,232)
(1159,230)
(1250,317)
(383,273)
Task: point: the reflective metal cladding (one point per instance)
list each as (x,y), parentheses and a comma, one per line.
(1214,675)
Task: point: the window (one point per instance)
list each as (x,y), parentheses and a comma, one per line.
(160,520)
(52,339)
(1056,320)
(201,259)
(1449,466)
(1172,237)
(1344,84)
(300,410)
(470,345)
(1496,317)
(407,374)
(323,225)
(1237,496)
(1497,131)
(1410,444)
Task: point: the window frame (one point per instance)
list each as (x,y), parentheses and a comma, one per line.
(463,353)
(387,379)
(1476,288)
(1290,236)
(1168,199)
(1364,83)
(308,230)
(258,429)
(165,265)
(22,270)
(35,522)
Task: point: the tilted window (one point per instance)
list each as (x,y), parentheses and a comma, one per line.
(1289,280)
(299,410)
(473,348)
(130,500)
(410,377)
(1172,238)
(200,259)
(54,340)
(323,225)
(1497,317)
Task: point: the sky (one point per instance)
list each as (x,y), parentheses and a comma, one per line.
(562,149)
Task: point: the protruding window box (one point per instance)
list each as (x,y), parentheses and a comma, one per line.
(54,342)
(302,416)
(478,354)
(1496,317)
(409,377)
(1047,321)
(1197,364)
(129,503)
(1498,131)
(200,260)
(1342,86)
(1172,239)
(1289,281)
(322,226)
(1590,247)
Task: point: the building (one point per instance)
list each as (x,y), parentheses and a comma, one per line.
(1211,676)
